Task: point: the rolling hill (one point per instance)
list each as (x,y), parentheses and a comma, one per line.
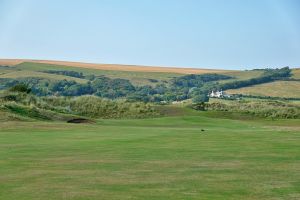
(114,67)
(145,75)
(290,89)
(138,75)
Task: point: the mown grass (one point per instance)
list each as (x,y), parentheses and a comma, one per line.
(162,158)
(282,89)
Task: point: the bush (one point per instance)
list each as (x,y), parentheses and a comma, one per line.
(66,73)
(199,106)
(93,106)
(20,88)
(200,98)
(271,109)
(9,97)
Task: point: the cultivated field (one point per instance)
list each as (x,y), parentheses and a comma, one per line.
(163,158)
(274,89)
(115,67)
(138,75)
(25,73)
(296,73)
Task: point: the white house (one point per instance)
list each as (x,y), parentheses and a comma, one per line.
(218,94)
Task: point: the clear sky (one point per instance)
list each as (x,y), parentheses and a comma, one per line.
(232,34)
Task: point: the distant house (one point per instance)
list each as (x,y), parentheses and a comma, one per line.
(218,94)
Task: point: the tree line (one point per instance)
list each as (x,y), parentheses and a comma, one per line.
(192,86)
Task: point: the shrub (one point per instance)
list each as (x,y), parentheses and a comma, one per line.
(93,106)
(20,88)
(271,109)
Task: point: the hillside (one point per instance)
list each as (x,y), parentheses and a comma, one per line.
(138,75)
(290,89)
(284,89)
(296,73)
(114,67)
(144,78)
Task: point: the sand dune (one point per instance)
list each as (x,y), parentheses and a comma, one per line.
(115,67)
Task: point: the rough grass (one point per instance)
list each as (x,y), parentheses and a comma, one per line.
(116,67)
(139,75)
(138,78)
(296,73)
(26,73)
(30,113)
(274,89)
(242,75)
(165,158)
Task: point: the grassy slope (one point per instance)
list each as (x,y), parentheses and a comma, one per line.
(274,89)
(27,73)
(140,78)
(116,67)
(296,73)
(164,158)
(137,77)
(242,75)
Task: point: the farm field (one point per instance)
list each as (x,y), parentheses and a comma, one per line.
(242,75)
(25,73)
(115,67)
(289,89)
(160,158)
(137,77)
(296,73)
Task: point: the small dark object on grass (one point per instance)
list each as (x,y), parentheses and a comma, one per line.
(79,120)
(202,130)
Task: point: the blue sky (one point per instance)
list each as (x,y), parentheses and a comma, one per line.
(232,34)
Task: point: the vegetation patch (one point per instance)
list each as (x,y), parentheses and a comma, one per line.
(179,88)
(288,89)
(61,108)
(66,73)
(266,109)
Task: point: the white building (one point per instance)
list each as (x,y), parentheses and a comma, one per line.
(218,94)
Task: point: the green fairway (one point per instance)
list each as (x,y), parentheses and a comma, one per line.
(162,158)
